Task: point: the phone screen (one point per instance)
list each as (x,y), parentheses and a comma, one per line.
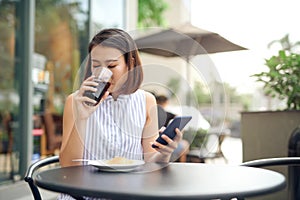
(178,122)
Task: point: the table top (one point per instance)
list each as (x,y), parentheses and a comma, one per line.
(163,181)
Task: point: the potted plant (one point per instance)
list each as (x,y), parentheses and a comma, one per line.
(282,79)
(267,133)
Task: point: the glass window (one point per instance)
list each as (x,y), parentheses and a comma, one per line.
(61,39)
(61,36)
(9,99)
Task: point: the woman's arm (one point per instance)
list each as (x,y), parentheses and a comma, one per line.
(72,144)
(76,113)
(150,134)
(150,131)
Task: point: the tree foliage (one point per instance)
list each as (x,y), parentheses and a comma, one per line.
(7,27)
(150,13)
(202,96)
(59,35)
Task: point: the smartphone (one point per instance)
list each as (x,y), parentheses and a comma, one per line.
(178,122)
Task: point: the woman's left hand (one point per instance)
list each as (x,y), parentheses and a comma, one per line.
(168,149)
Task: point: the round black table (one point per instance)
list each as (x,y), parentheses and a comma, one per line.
(161,181)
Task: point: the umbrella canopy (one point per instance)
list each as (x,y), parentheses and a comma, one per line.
(185,41)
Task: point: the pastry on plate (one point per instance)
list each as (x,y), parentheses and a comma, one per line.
(119,160)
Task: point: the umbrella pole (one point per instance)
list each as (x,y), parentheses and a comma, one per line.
(188,78)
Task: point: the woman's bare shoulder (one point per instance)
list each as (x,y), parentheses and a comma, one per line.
(70,97)
(150,97)
(69,102)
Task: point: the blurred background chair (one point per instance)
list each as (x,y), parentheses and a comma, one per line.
(6,143)
(51,140)
(211,148)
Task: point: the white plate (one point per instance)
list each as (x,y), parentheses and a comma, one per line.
(102,165)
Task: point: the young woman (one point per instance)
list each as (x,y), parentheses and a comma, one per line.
(124,123)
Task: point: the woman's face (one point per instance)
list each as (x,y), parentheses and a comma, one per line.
(114,60)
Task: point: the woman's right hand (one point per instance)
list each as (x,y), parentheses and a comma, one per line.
(82,109)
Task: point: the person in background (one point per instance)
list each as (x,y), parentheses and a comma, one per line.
(164,118)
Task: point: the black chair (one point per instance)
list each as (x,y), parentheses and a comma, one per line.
(33,168)
(266,162)
(294,171)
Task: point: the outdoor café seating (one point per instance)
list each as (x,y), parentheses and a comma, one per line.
(52,161)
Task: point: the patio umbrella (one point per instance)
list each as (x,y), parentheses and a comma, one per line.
(184,41)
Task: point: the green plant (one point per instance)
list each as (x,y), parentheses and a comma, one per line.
(196,138)
(150,13)
(282,79)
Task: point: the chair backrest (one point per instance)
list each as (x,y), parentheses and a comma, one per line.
(272,162)
(294,171)
(33,168)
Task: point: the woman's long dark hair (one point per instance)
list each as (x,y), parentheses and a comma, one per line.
(119,39)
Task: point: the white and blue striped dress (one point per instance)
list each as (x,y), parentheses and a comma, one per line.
(115,129)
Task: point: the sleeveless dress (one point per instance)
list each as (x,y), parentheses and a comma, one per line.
(115,129)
